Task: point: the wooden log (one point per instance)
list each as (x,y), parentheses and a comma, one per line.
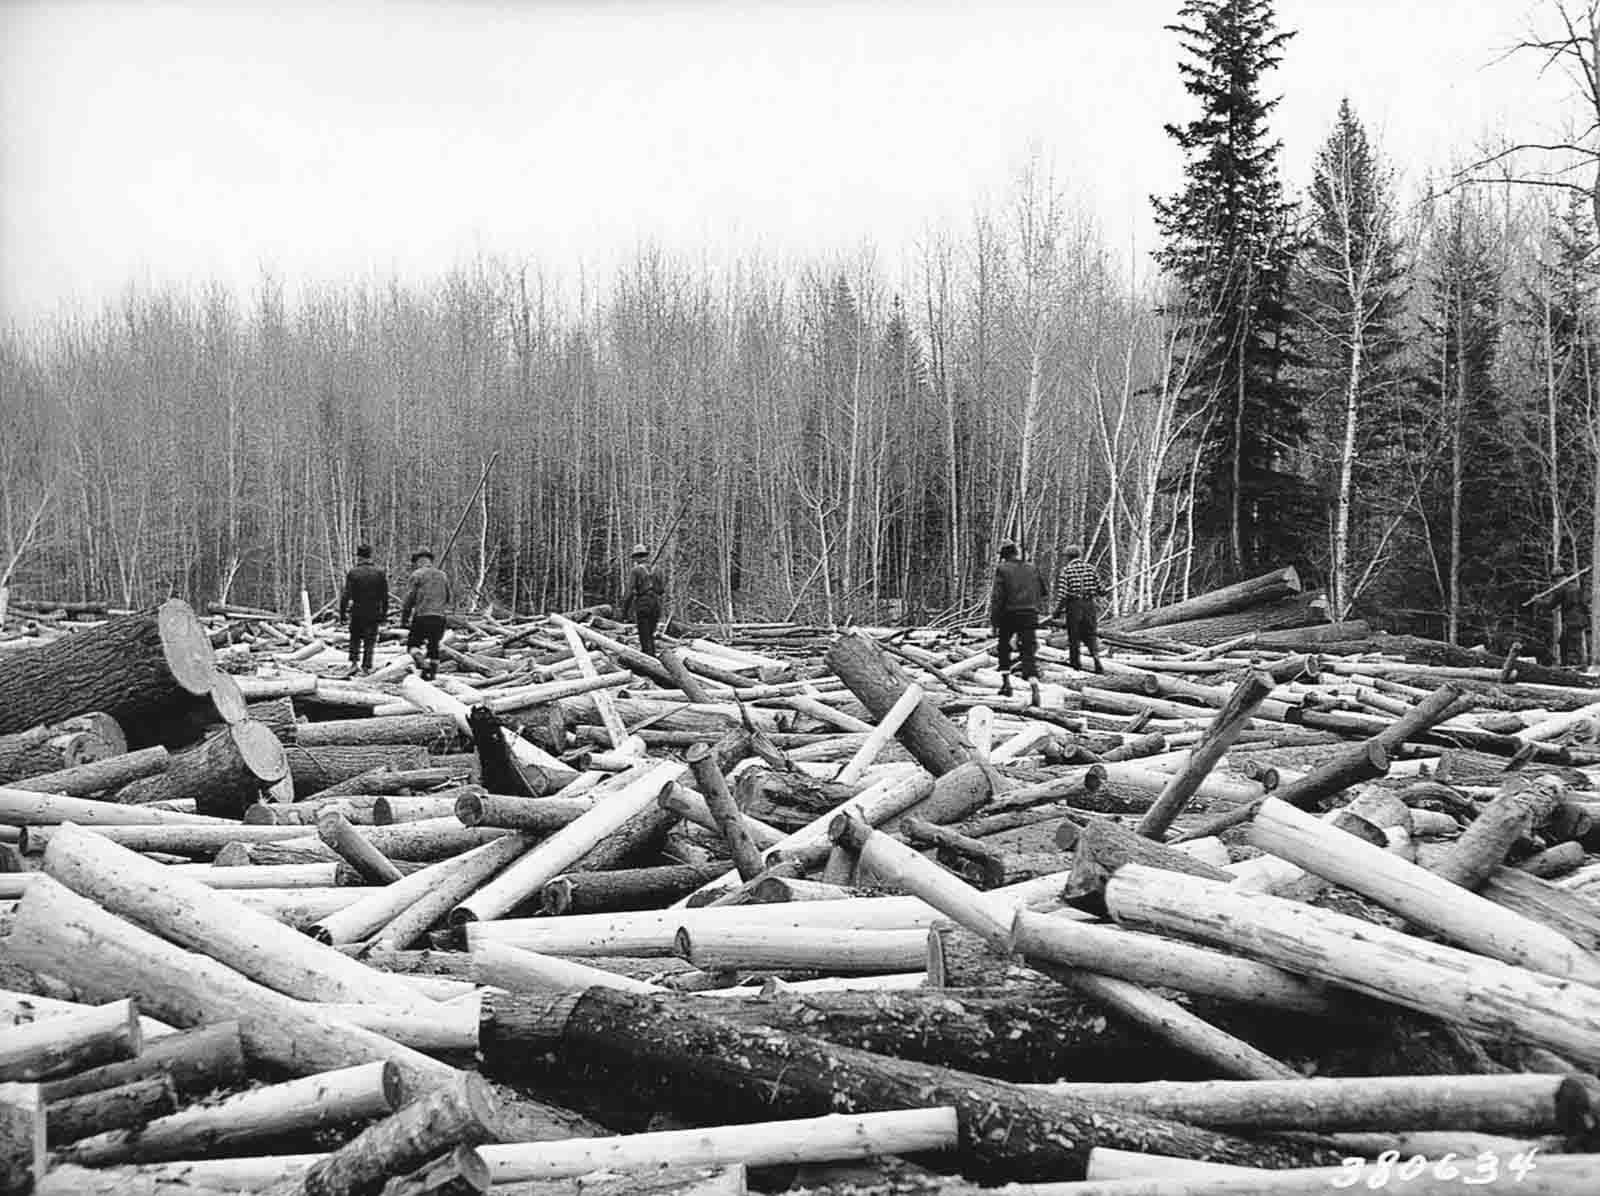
(957,794)
(513,969)
(1363,762)
(537,815)
(22,807)
(334,829)
(83,739)
(22,1137)
(1501,1104)
(387,810)
(687,804)
(315,770)
(1020,1033)
(100,777)
(1101,846)
(1268,587)
(461,1113)
(932,739)
(730,821)
(773,1143)
(459,1172)
(529,874)
(1416,894)
(327,1099)
(208,920)
(706,1065)
(146,671)
(1571,914)
(626,888)
(71,1042)
(1520,805)
(434,733)
(762,948)
(57,932)
(379,910)
(194,1062)
(1482,993)
(449,887)
(429,697)
(125,1106)
(222,775)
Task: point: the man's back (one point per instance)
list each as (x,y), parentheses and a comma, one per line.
(366,592)
(1017,586)
(1078,579)
(429,593)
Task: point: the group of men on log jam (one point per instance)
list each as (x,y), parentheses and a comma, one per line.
(1020,594)
(364,602)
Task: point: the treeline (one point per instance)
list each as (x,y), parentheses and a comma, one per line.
(1400,398)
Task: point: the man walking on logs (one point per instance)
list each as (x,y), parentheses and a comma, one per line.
(365,602)
(1078,585)
(423,612)
(1014,604)
(641,597)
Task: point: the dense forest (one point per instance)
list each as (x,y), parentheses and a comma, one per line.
(1395,392)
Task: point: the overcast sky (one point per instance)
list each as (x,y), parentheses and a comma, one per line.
(152,143)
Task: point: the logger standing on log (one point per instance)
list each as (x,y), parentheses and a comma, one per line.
(1078,585)
(641,597)
(423,611)
(365,602)
(1014,605)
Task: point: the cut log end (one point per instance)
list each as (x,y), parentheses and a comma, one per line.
(186,647)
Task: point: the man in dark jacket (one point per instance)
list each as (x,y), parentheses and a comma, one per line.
(642,596)
(1014,604)
(423,611)
(1078,585)
(365,602)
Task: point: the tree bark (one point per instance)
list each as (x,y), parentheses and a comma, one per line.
(196,1061)
(1280,583)
(123,1107)
(933,740)
(223,774)
(71,1042)
(79,740)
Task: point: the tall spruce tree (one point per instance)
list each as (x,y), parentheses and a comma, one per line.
(1227,243)
(1349,295)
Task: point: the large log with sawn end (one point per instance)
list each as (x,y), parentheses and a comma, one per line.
(932,739)
(223,775)
(147,671)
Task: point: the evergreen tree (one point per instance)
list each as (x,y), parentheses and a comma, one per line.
(1228,245)
(1349,299)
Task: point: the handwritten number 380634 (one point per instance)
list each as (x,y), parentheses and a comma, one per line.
(1387,1167)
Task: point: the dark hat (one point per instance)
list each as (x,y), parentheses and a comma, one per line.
(1072,551)
(1008,548)
(420,553)
(640,550)
(364,550)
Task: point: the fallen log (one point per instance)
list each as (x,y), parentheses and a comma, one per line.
(626,888)
(1268,587)
(194,1061)
(434,733)
(101,776)
(22,1137)
(932,739)
(126,1106)
(542,815)
(81,739)
(334,829)
(146,671)
(223,774)
(317,769)
(1486,994)
(71,1042)
(708,1067)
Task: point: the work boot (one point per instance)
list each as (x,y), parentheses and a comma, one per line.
(1005,685)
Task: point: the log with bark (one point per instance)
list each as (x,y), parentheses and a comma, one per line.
(150,672)
(317,769)
(1268,587)
(81,739)
(931,738)
(223,774)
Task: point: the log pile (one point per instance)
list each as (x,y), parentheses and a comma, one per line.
(1266,907)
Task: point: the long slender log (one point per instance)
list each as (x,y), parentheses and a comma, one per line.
(1503,1104)
(195,1061)
(1218,737)
(730,821)
(434,733)
(543,814)
(22,807)
(814,1139)
(1417,894)
(1433,978)
(62,934)
(462,1113)
(1572,914)
(686,803)
(626,888)
(207,920)
(126,1106)
(1268,587)
(1363,762)
(145,671)
(866,952)
(327,1099)
(197,840)
(334,829)
(71,1042)
(932,739)
(457,878)
(532,871)
(705,1064)
(101,777)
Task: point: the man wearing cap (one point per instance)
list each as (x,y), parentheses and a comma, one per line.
(1077,586)
(1014,604)
(365,601)
(641,597)
(423,611)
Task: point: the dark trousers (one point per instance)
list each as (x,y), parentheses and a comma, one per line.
(1080,620)
(363,639)
(1022,625)
(427,631)
(647,616)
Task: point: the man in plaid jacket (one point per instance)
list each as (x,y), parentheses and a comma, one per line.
(1078,585)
